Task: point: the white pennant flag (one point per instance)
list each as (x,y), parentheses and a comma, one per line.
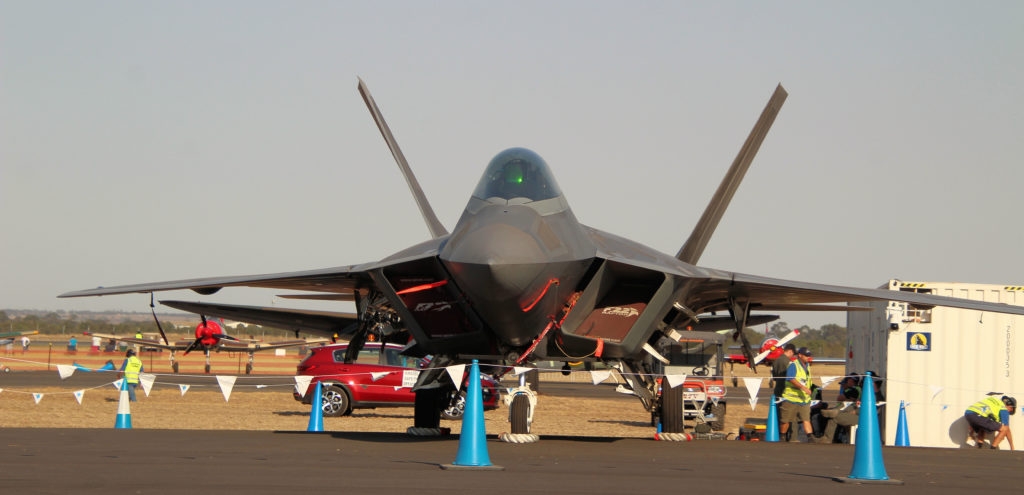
(183,388)
(518,370)
(1,390)
(846,404)
(815,402)
(455,371)
(37,397)
(78,395)
(226,384)
(146,380)
(117,383)
(714,400)
(409,378)
(935,390)
(753,385)
(65,370)
(879,404)
(753,403)
(675,380)
(599,376)
(380,374)
(261,386)
(827,380)
(302,384)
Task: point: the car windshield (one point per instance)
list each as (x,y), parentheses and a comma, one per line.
(372,355)
(517,173)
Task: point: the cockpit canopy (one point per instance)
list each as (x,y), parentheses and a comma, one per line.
(517,173)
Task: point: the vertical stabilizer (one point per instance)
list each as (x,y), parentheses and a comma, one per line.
(433,224)
(694,247)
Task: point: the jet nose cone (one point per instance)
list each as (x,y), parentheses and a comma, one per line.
(497,260)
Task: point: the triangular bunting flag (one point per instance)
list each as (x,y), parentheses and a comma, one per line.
(65,370)
(184,388)
(753,385)
(827,380)
(599,376)
(518,370)
(879,404)
(455,371)
(714,400)
(936,390)
(398,388)
(37,397)
(846,404)
(78,395)
(675,380)
(753,403)
(226,384)
(409,378)
(261,386)
(380,374)
(815,402)
(146,380)
(117,383)
(302,384)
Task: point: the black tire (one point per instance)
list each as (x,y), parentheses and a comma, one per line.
(719,411)
(428,408)
(174,366)
(456,406)
(248,368)
(207,368)
(671,409)
(519,412)
(334,401)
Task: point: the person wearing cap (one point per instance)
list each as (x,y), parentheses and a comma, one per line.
(796,398)
(130,370)
(991,414)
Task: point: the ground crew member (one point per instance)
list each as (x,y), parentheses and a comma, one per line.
(131,368)
(796,398)
(991,414)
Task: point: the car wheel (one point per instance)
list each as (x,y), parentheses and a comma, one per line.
(456,406)
(518,414)
(248,368)
(672,409)
(335,401)
(718,411)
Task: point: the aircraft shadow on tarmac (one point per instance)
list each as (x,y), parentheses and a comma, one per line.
(355,416)
(389,437)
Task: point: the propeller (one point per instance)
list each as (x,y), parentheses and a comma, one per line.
(783,341)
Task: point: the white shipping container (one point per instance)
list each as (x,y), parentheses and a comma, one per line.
(938,360)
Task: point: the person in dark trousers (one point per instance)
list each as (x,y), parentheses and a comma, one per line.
(130,370)
(991,414)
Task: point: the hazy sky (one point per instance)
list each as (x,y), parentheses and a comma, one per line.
(148,141)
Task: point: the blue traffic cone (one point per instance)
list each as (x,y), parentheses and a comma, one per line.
(472,452)
(124,413)
(868,466)
(316,412)
(771,430)
(902,436)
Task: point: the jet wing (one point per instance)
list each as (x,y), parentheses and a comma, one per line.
(142,342)
(337,280)
(325,323)
(228,345)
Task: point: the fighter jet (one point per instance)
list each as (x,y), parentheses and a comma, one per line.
(519,279)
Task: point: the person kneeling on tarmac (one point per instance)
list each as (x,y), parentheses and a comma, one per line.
(991,415)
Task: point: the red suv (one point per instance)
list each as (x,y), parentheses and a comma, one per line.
(374,380)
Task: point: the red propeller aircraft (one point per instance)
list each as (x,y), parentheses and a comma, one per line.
(211,337)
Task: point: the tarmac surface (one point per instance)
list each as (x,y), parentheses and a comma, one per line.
(165,461)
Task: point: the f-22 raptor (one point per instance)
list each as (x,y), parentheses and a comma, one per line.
(520,280)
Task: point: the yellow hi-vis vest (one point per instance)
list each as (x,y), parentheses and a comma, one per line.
(793,394)
(132,369)
(989,406)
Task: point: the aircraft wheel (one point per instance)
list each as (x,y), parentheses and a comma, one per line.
(456,407)
(174,366)
(248,368)
(520,411)
(719,411)
(7,369)
(428,408)
(207,368)
(335,401)
(672,409)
